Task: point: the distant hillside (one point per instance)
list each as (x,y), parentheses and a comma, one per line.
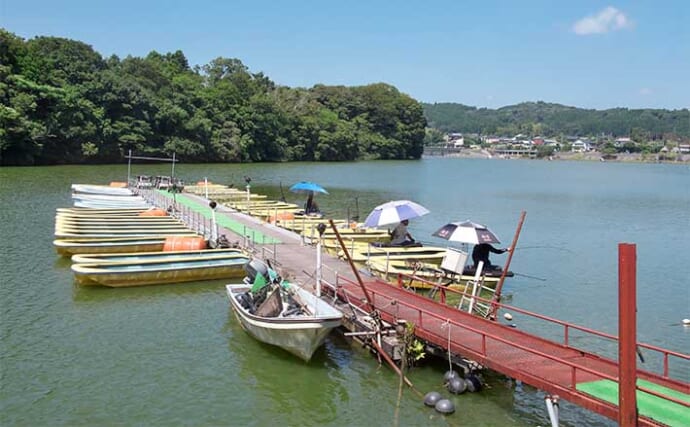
(541,118)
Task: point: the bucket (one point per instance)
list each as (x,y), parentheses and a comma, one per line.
(153,212)
(184,243)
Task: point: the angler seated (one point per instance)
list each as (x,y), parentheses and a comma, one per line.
(401,237)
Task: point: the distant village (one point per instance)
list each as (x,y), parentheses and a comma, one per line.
(533,147)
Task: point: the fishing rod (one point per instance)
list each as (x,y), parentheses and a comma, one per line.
(530,277)
(282,195)
(545,247)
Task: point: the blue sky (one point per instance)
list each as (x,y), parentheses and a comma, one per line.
(488,53)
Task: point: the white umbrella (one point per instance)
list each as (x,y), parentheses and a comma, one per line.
(466,232)
(393,212)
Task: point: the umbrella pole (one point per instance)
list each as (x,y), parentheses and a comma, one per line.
(352,264)
(497,294)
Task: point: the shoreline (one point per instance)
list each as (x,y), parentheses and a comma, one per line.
(569,156)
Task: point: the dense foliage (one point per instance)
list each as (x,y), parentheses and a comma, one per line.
(61,102)
(540,118)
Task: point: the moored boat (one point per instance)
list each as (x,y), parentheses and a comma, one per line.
(282,314)
(159,272)
(156,256)
(69,247)
(428,254)
(101,190)
(107,212)
(93,234)
(121,227)
(409,271)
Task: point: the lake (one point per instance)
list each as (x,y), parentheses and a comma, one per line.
(174,354)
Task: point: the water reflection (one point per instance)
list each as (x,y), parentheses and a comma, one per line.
(104,294)
(304,393)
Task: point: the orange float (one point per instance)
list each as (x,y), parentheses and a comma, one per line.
(184,243)
(153,212)
(281,216)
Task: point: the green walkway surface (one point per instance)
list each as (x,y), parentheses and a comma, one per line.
(650,406)
(235,226)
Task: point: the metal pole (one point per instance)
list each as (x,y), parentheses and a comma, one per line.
(352,265)
(499,285)
(206,186)
(172,174)
(318,268)
(477,275)
(213,232)
(553,416)
(129,166)
(627,333)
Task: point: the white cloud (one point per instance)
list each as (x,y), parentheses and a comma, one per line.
(609,19)
(646,91)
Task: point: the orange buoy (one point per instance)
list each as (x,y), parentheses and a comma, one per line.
(118,184)
(184,243)
(281,216)
(153,212)
(204,183)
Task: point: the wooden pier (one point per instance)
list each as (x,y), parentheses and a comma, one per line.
(558,368)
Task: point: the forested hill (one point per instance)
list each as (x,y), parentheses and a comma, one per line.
(540,118)
(62,102)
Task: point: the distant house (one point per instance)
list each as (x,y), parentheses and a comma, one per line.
(580,146)
(537,141)
(619,142)
(684,148)
(455,140)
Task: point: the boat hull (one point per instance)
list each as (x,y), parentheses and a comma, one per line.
(66,247)
(157,256)
(300,335)
(126,275)
(392,270)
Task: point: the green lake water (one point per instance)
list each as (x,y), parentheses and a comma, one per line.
(175,355)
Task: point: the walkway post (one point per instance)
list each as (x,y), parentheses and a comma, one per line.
(499,286)
(370,303)
(627,334)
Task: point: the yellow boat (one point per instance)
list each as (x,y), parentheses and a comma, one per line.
(157,256)
(96,234)
(69,247)
(427,254)
(408,271)
(302,223)
(351,238)
(160,272)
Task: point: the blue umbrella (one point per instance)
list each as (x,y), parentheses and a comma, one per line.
(394,211)
(307,187)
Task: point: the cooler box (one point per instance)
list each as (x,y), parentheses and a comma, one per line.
(454,260)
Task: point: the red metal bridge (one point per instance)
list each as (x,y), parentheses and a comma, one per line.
(558,368)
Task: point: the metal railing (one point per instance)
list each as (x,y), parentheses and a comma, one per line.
(486,336)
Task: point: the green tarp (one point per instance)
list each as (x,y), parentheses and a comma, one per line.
(256,235)
(656,408)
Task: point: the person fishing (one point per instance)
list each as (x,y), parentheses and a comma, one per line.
(481,251)
(400,236)
(311,207)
